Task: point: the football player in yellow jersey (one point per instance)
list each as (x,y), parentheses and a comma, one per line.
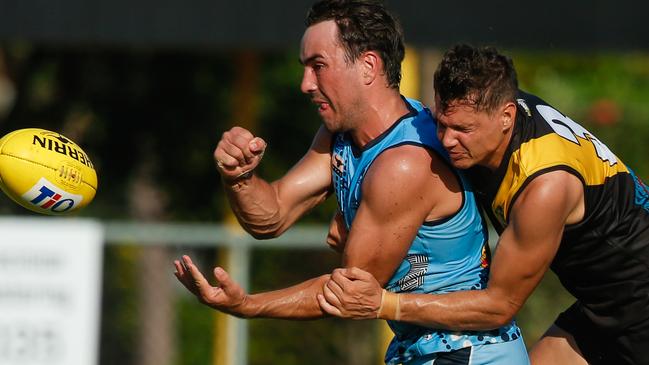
(559,198)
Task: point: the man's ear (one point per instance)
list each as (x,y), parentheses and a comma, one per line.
(372,66)
(508,115)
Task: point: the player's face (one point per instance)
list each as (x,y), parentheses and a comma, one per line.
(330,81)
(473,137)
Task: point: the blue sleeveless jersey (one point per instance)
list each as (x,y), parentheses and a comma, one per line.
(446,255)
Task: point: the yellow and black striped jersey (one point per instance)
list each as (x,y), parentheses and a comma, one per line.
(604,259)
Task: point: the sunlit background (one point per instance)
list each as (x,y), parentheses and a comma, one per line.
(147,88)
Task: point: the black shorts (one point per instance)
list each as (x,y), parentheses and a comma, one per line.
(600,346)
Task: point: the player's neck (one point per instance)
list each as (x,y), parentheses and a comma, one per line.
(379,114)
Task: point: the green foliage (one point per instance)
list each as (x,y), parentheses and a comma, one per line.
(128,108)
(288,122)
(318,342)
(542,308)
(119,318)
(195,332)
(607,93)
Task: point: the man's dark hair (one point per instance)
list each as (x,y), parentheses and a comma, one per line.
(480,77)
(364,25)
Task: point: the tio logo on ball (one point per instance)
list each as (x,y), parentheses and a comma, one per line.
(49,197)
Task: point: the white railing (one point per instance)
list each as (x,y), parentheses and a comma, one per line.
(237,245)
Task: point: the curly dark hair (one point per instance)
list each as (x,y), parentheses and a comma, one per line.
(480,77)
(364,25)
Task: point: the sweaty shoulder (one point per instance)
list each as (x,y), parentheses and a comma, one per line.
(546,140)
(558,194)
(415,173)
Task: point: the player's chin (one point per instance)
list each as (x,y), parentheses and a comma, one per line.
(462,162)
(332,126)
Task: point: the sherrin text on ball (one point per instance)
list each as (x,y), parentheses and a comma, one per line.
(46,172)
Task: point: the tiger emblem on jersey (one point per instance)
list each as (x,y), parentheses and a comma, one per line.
(484,257)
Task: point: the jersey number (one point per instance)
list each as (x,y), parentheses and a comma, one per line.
(568,129)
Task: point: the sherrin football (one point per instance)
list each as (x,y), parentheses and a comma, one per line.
(46,172)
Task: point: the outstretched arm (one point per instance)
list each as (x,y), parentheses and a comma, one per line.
(524,253)
(227,296)
(372,243)
(266,209)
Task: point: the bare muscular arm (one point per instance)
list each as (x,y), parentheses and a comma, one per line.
(404,187)
(524,253)
(397,189)
(266,209)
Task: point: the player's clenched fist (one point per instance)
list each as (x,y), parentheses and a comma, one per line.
(238,154)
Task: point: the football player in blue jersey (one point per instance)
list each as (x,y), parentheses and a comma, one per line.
(559,198)
(404,215)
